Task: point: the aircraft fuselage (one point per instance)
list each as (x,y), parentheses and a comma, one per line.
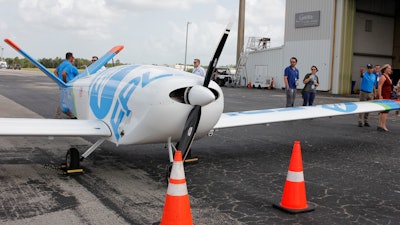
(138,100)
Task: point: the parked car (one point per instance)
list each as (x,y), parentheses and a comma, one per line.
(17,67)
(3,64)
(222,76)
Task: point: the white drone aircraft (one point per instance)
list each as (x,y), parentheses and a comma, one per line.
(142,104)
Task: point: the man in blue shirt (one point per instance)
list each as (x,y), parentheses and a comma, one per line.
(66,71)
(291,78)
(367,92)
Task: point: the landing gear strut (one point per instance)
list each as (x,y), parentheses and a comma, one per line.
(72,160)
(171,150)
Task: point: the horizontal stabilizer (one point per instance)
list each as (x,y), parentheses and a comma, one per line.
(53,127)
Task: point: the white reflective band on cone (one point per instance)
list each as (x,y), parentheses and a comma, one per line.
(177,171)
(295,176)
(177,189)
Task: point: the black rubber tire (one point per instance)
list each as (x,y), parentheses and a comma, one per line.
(72,159)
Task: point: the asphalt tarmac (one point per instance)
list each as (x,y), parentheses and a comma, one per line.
(352,174)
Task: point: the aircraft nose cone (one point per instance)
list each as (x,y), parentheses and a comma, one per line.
(200,95)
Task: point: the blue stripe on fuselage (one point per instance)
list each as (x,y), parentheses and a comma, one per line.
(106,85)
(103,91)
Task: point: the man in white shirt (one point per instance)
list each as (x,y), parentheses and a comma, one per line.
(198,69)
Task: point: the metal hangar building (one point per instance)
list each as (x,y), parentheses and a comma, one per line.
(337,36)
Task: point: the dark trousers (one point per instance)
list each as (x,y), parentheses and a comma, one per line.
(308,98)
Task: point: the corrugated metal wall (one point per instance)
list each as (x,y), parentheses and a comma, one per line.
(272,59)
(322,32)
(308,53)
(310,45)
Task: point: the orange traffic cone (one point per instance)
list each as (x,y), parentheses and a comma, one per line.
(177,204)
(294,191)
(249,85)
(271,85)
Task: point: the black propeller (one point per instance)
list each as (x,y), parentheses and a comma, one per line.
(193,119)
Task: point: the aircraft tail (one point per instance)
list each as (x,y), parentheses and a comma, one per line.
(36,63)
(94,67)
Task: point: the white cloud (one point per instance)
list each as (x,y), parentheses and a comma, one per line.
(151,5)
(265,19)
(151,31)
(87,19)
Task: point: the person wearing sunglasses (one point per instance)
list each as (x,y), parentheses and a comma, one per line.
(198,69)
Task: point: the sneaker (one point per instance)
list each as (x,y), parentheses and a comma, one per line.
(366,125)
(359,124)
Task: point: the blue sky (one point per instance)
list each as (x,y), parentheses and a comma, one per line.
(153,32)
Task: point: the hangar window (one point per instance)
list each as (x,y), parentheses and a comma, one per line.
(368,25)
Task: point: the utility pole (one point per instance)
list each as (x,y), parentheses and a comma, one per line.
(2,49)
(187,32)
(240,40)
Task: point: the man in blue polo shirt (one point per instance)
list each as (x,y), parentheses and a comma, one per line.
(66,71)
(291,78)
(367,92)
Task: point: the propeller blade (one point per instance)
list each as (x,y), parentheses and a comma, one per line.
(193,119)
(189,131)
(217,53)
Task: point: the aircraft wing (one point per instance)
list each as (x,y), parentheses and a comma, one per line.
(52,127)
(245,118)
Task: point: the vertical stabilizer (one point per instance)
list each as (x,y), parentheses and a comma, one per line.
(36,63)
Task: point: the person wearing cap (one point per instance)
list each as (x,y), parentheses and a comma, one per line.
(367,92)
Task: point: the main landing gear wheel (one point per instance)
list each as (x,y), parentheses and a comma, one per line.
(72,162)
(72,159)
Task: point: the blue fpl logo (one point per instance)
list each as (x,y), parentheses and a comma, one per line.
(103,91)
(343,107)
